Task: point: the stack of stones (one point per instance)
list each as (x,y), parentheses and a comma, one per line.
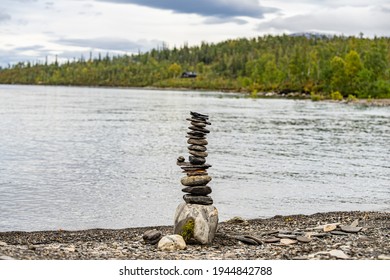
(197,212)
(197,177)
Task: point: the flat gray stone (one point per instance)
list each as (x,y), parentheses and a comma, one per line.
(198,199)
(197,141)
(291,236)
(350,229)
(198,154)
(195,137)
(198,124)
(355,223)
(192,167)
(198,190)
(338,254)
(337,232)
(200,129)
(303,239)
(272,240)
(196,133)
(199,148)
(205,219)
(190,181)
(198,120)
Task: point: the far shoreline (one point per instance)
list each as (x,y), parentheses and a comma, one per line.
(371,102)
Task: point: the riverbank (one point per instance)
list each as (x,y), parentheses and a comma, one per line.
(280,237)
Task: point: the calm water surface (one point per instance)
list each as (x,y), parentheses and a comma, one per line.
(78,158)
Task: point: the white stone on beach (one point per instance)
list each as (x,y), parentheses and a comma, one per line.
(173,242)
(205,219)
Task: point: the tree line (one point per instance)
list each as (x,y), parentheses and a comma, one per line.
(325,65)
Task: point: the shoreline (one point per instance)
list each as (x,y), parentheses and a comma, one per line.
(230,243)
(381,102)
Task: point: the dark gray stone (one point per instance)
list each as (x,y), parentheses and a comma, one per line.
(197,190)
(200,129)
(197,199)
(195,137)
(198,154)
(193,141)
(180,159)
(152,236)
(198,120)
(197,160)
(198,115)
(199,148)
(246,240)
(195,167)
(190,181)
(196,133)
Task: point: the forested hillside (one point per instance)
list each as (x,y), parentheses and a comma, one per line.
(319,65)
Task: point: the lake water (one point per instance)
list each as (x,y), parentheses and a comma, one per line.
(79,158)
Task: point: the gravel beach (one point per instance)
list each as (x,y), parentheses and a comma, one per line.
(333,235)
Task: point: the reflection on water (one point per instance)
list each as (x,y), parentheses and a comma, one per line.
(77,158)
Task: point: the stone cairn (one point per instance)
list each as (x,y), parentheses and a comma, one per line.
(197,218)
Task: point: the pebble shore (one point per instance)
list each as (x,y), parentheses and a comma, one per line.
(295,237)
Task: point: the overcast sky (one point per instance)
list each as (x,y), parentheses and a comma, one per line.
(30,30)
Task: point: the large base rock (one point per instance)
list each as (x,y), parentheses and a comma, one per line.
(204,221)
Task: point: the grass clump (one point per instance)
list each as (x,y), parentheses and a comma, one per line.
(187,231)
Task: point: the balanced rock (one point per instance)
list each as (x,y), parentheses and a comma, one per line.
(204,217)
(197,137)
(180,159)
(198,120)
(198,199)
(173,242)
(199,115)
(198,190)
(197,160)
(198,124)
(197,141)
(199,148)
(195,180)
(198,154)
(200,129)
(196,172)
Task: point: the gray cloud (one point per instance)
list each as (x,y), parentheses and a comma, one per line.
(4,17)
(111,44)
(359,19)
(215,8)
